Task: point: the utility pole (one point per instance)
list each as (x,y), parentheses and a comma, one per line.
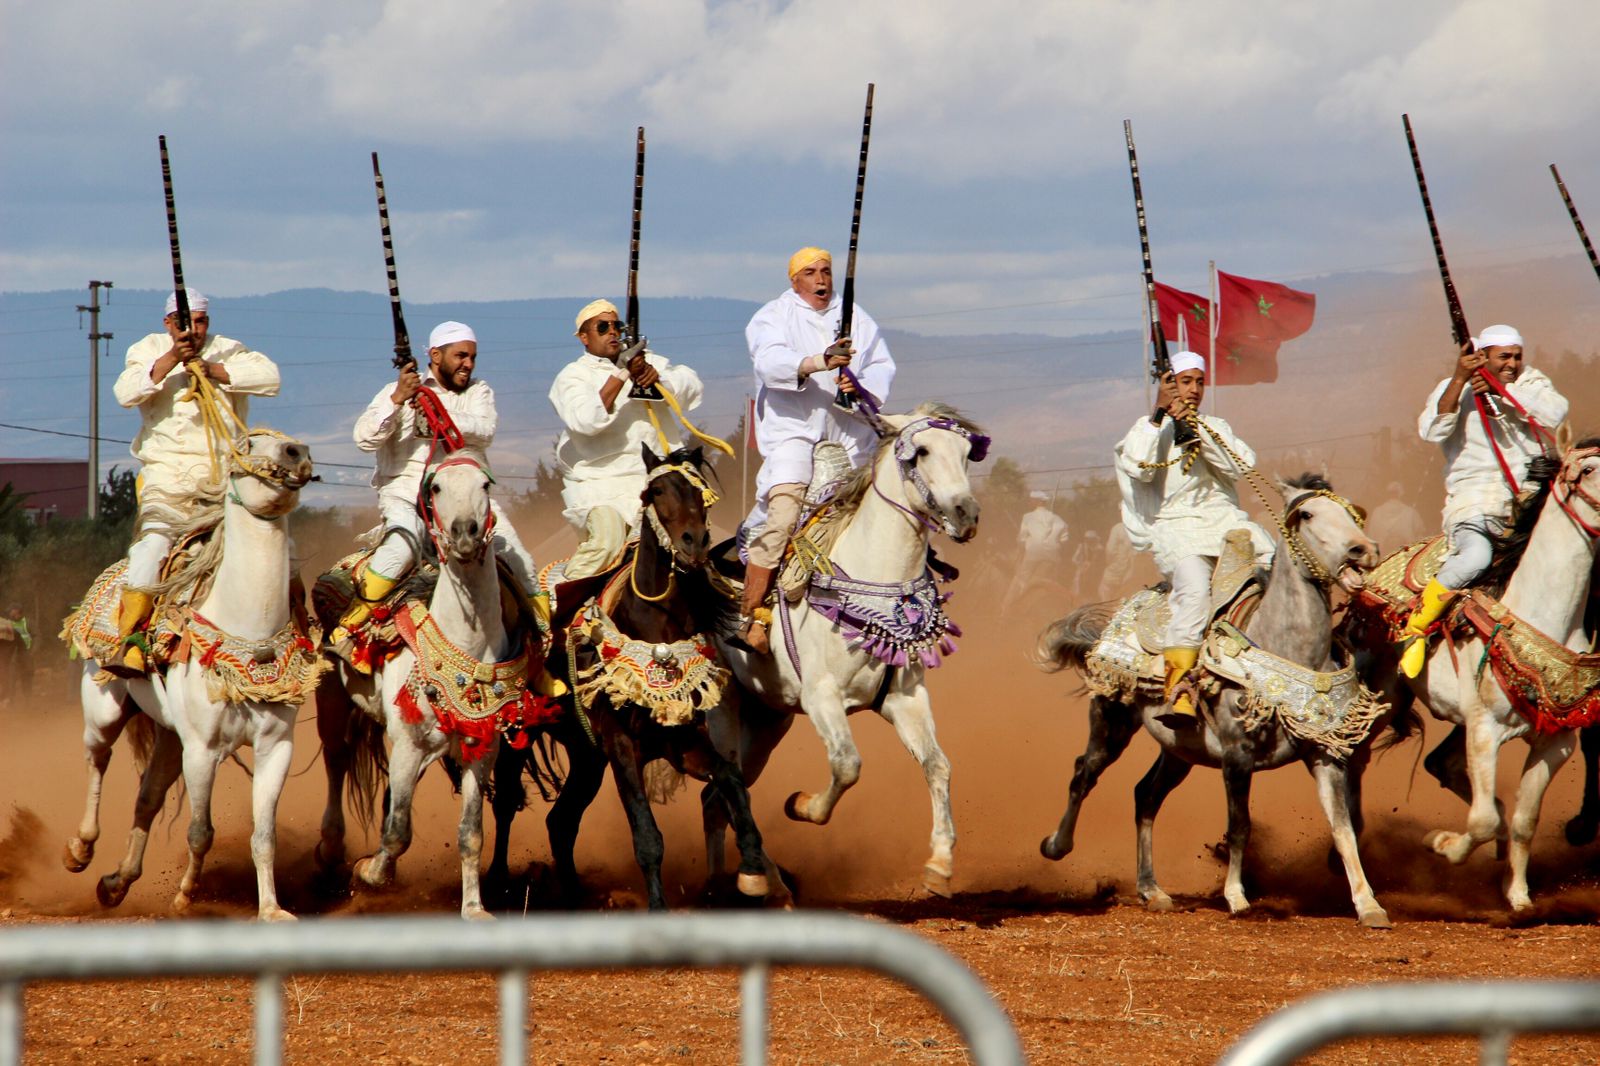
(95,337)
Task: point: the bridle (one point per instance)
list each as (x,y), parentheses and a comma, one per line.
(263,469)
(1289,526)
(678,559)
(430,514)
(905,457)
(1571,479)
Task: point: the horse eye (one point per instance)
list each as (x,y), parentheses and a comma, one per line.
(922,452)
(437,489)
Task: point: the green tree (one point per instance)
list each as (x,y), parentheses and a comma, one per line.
(119,497)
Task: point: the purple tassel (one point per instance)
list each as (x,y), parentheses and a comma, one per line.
(899,658)
(951,628)
(929,657)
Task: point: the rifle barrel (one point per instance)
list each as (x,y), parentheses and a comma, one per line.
(181,293)
(402,339)
(633,244)
(1583,234)
(1161,362)
(848,295)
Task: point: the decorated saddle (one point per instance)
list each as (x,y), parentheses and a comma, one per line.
(378,640)
(1392,589)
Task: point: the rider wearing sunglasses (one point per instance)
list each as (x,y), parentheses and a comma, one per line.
(602,467)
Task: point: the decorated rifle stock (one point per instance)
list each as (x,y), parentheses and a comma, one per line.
(402,339)
(847,295)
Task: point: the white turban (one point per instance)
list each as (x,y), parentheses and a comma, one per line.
(197,302)
(591,310)
(1037,495)
(450,333)
(1499,337)
(1182,361)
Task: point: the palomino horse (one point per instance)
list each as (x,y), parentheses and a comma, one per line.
(1547,592)
(243,626)
(1321,542)
(646,679)
(472,685)
(914,486)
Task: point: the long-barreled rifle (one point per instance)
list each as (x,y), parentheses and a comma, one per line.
(847,295)
(1160,359)
(1583,234)
(402,339)
(631,334)
(181,293)
(1458,318)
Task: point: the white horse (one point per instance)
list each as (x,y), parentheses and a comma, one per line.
(246,610)
(916,483)
(466,608)
(1547,592)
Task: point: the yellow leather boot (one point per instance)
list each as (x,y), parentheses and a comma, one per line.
(370,588)
(1179,662)
(1435,600)
(134,608)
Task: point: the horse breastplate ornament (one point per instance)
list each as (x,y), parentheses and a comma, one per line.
(671,681)
(890,622)
(282,669)
(472,699)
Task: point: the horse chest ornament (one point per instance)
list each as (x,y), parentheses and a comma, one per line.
(283,669)
(472,699)
(890,622)
(671,681)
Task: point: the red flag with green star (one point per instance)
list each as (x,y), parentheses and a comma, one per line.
(1253,319)
(1185,309)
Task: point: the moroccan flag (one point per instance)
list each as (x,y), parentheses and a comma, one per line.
(1184,319)
(1253,318)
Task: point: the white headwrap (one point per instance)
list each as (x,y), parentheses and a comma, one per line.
(197,302)
(1182,361)
(590,310)
(450,333)
(1499,337)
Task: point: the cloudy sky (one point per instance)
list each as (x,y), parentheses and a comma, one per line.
(1269,137)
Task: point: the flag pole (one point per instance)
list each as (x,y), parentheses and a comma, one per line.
(1211,328)
(1144,352)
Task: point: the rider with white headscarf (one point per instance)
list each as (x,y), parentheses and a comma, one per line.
(1179,501)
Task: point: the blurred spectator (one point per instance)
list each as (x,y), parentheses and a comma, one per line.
(16,656)
(1394,523)
(1041,538)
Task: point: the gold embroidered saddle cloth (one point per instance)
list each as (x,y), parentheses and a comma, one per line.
(1391,590)
(90,629)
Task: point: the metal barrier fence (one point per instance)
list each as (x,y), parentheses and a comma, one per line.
(513,947)
(1493,1011)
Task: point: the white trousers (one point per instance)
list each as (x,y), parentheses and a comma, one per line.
(1190,600)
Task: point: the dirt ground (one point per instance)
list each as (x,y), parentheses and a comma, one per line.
(1086,974)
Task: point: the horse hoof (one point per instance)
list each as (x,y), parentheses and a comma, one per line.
(754,885)
(1049,849)
(795,806)
(1237,907)
(276,914)
(181,903)
(936,882)
(329,854)
(1376,918)
(77,854)
(110,892)
(1436,841)
(1158,902)
(1581,831)
(476,913)
(366,873)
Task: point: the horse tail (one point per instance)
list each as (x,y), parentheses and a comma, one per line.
(369,765)
(141,734)
(1404,721)
(661,781)
(1066,641)
(546,766)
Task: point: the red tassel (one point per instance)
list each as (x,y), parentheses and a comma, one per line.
(410,713)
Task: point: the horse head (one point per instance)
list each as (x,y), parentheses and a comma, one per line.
(676,499)
(1323,532)
(455,504)
(932,447)
(269,473)
(1577,486)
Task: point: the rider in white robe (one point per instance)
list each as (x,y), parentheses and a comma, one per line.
(394,430)
(1179,501)
(793,345)
(172,446)
(600,452)
(1478,497)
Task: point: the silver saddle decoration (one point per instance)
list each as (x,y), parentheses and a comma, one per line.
(830,464)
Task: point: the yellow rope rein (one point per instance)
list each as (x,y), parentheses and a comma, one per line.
(215,415)
(672,401)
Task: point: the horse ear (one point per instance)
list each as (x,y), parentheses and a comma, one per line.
(697,455)
(651,460)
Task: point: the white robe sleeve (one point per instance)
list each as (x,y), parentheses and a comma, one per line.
(873,365)
(477,419)
(133,386)
(380,423)
(250,373)
(577,402)
(777,364)
(1538,396)
(683,381)
(1218,459)
(1141,445)
(1433,426)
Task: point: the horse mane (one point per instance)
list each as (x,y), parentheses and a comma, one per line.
(1510,545)
(1308,482)
(854,488)
(186,577)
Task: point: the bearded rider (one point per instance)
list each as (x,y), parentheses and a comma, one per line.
(599,453)
(173,446)
(1179,500)
(1478,495)
(395,430)
(796,352)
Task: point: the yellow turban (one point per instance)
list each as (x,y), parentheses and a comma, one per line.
(590,310)
(805,257)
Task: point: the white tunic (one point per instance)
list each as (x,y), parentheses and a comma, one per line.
(792,415)
(402,450)
(1042,533)
(172,441)
(1178,514)
(599,452)
(1475,486)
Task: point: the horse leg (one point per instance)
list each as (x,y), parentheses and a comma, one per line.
(627,770)
(1586,824)
(586,770)
(1547,752)
(825,707)
(469,839)
(1236,774)
(1164,775)
(509,798)
(1334,791)
(911,714)
(166,763)
(759,734)
(104,716)
(1448,764)
(752,879)
(274,755)
(407,760)
(200,765)
(1111,726)
(1485,817)
(333,730)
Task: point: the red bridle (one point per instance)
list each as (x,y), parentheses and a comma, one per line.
(1572,480)
(430,515)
